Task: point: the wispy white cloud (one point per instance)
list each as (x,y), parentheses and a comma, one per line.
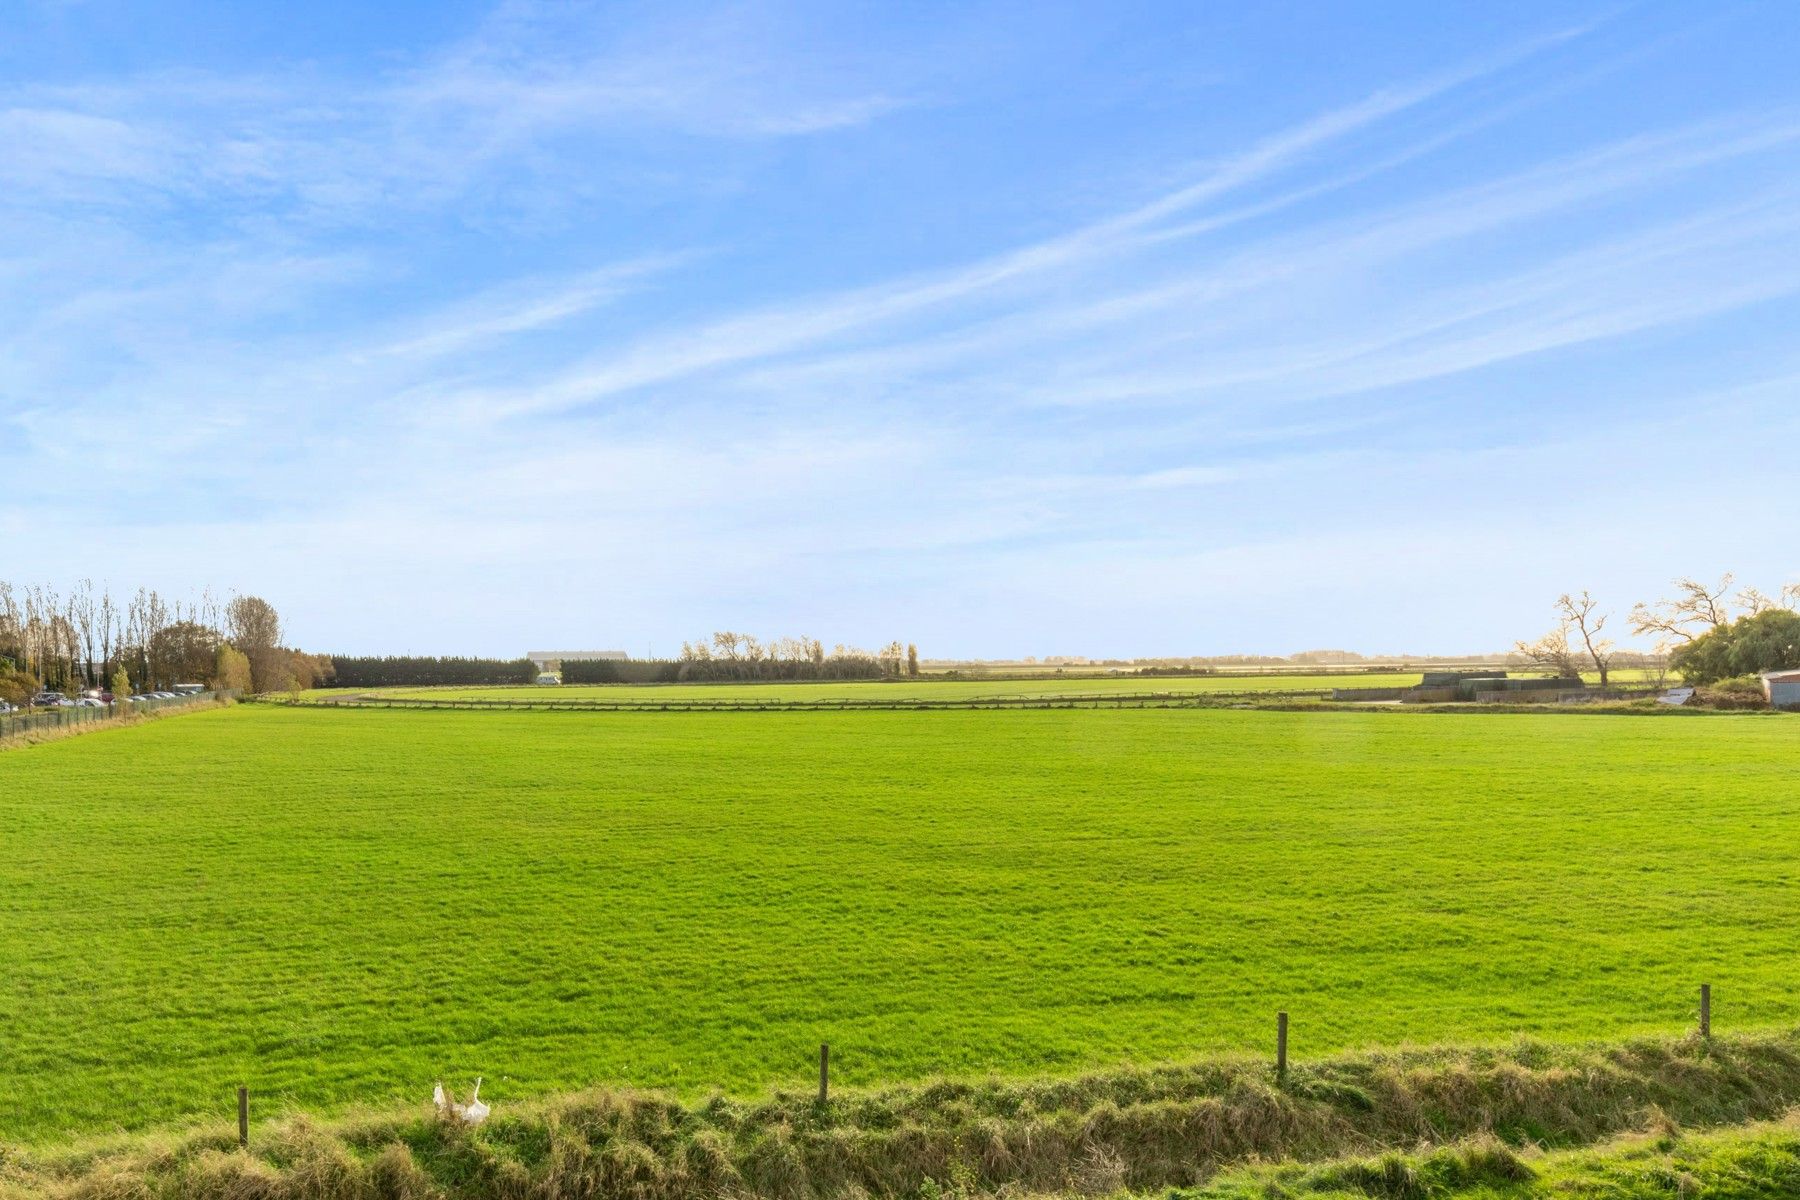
(523,306)
(1153,398)
(534,83)
(773,332)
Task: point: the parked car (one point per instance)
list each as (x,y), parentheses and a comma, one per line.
(49,700)
(7,708)
(90,702)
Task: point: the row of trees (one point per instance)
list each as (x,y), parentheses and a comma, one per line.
(399,670)
(1707,632)
(88,638)
(731,655)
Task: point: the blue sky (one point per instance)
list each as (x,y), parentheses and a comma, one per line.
(1004,328)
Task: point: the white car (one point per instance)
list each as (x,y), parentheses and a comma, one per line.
(90,702)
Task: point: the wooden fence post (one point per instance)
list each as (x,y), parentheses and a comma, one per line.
(1706,1010)
(1281,1030)
(243,1118)
(824,1072)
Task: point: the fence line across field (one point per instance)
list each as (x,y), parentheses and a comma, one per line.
(37,720)
(1280,1063)
(751,704)
(1183,699)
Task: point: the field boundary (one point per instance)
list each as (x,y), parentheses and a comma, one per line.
(904,704)
(1129,1128)
(19,728)
(1616,701)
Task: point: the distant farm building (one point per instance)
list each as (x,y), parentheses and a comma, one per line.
(1782,688)
(546,660)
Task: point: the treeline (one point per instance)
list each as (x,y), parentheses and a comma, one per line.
(416,670)
(740,656)
(87,638)
(612,670)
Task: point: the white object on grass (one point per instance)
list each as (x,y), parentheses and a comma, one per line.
(474,1112)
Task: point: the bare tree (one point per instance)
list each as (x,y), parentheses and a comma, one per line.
(1693,610)
(106,618)
(12,629)
(147,616)
(1575,641)
(1753,600)
(1552,652)
(1583,615)
(81,617)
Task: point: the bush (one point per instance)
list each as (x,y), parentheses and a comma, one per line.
(1734,692)
(16,687)
(1766,641)
(1739,685)
(231,670)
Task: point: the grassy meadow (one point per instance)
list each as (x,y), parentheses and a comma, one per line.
(341,906)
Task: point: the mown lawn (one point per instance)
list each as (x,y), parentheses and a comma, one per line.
(339,906)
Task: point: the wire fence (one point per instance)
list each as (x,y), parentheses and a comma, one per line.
(39,720)
(1279,1062)
(755,704)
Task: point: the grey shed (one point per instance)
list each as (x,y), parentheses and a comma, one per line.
(1782,688)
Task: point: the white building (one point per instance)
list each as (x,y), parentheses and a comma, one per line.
(548,659)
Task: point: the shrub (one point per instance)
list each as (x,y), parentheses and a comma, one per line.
(1765,641)
(1739,685)
(16,687)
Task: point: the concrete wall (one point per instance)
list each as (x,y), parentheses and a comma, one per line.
(1387,693)
(1425,695)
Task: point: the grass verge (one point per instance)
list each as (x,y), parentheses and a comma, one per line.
(1758,1162)
(1434,1119)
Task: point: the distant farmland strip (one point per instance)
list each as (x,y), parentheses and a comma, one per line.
(762,704)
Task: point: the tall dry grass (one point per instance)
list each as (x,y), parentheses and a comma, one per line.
(1135,1129)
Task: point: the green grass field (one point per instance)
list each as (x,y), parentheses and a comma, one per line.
(339,907)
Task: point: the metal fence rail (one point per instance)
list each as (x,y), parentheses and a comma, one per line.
(37,720)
